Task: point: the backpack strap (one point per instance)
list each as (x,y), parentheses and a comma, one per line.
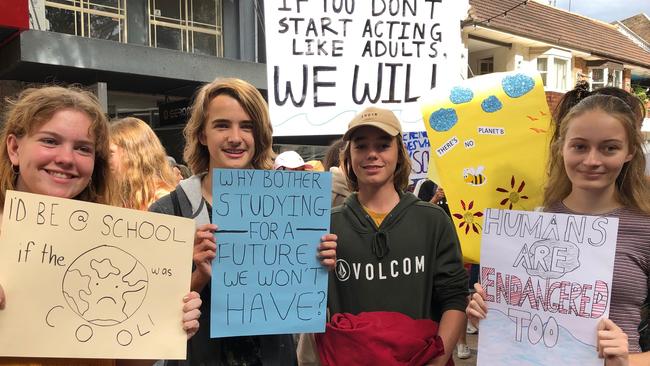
(176,203)
(191,200)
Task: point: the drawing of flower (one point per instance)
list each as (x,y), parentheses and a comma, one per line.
(467,218)
(514,196)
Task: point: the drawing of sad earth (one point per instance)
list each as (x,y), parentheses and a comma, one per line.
(105,286)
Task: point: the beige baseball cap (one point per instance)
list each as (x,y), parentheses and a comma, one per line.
(381,118)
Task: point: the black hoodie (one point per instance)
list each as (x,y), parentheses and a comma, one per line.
(410,264)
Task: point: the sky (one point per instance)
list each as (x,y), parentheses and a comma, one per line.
(606,10)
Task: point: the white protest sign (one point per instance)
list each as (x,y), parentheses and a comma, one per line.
(548,281)
(327,59)
(92,281)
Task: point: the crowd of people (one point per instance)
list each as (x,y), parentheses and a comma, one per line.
(59,143)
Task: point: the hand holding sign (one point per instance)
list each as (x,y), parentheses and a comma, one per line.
(191,313)
(205,250)
(477,309)
(327,251)
(612,343)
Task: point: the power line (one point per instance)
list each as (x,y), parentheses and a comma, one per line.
(502,14)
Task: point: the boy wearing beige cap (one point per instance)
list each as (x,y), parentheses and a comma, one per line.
(395,252)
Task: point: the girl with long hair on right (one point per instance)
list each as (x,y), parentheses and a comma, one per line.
(596,167)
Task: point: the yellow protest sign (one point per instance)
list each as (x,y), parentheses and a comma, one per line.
(92,281)
(489,140)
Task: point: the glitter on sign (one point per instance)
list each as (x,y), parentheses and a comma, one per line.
(461,95)
(517,85)
(491,104)
(443,119)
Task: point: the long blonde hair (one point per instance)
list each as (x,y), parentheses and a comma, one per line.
(144,166)
(36,106)
(197,155)
(631,185)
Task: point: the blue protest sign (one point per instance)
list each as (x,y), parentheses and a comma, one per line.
(266,278)
(417,145)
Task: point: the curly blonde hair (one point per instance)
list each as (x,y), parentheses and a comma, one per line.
(197,155)
(36,106)
(631,185)
(145,171)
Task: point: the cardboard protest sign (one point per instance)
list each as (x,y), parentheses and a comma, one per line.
(489,140)
(548,281)
(92,281)
(417,146)
(266,278)
(327,59)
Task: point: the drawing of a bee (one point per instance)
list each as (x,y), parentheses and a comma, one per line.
(474,177)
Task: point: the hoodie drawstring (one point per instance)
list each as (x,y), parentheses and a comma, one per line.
(380,246)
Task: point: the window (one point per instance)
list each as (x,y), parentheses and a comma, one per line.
(598,77)
(186,25)
(486,66)
(605,73)
(542,67)
(555,71)
(101,19)
(183,25)
(618,78)
(561,73)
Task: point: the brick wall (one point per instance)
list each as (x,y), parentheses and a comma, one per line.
(553,98)
(580,66)
(627,79)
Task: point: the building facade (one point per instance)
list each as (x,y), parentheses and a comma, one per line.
(147,57)
(564,47)
(140,56)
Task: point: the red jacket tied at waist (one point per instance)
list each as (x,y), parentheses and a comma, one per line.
(379,338)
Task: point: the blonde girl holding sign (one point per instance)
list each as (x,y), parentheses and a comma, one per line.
(599,170)
(56,144)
